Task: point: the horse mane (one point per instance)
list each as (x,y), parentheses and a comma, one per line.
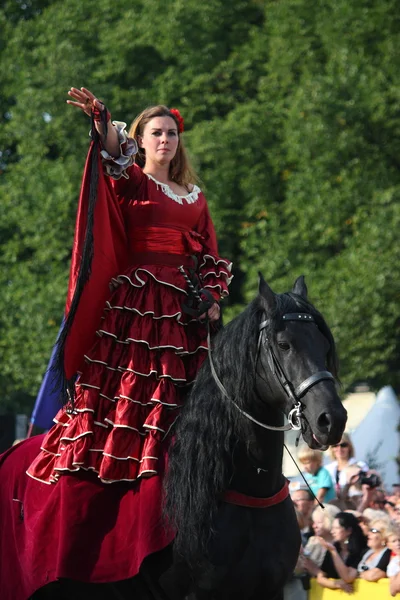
(209,427)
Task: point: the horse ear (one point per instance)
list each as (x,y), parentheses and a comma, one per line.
(300,287)
(266,294)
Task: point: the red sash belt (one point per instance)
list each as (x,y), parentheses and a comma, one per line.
(167,240)
(232,497)
(162,259)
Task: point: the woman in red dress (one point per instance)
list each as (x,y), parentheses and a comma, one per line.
(133,379)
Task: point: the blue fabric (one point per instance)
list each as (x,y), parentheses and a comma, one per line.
(321,479)
(48,401)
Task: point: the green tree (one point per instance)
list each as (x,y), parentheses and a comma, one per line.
(292,118)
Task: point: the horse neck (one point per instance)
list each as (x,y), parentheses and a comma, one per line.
(258,461)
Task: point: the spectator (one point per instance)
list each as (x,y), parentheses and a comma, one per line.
(343,458)
(374,563)
(396,491)
(317,477)
(393,510)
(322,521)
(304,504)
(341,560)
(363,490)
(378,500)
(393,569)
(371,514)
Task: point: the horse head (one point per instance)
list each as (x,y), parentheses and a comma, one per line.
(296,366)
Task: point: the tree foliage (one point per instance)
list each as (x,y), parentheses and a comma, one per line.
(292,118)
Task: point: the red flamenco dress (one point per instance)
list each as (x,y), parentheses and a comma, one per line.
(136,352)
(135,376)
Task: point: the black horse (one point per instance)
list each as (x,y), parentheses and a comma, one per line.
(226,495)
(278,354)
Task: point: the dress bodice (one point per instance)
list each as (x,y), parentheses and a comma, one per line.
(146,202)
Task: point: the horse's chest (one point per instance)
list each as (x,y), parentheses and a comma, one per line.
(254,552)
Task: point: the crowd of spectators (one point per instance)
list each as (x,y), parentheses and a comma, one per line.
(350,525)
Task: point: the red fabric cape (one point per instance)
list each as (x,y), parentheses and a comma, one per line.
(110,256)
(78,528)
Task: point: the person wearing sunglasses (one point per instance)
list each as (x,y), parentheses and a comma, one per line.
(374,562)
(343,465)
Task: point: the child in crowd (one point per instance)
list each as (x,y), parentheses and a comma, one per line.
(317,477)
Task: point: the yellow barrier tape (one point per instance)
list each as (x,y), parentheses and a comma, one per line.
(363,590)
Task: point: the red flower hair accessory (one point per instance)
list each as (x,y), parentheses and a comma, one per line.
(179,118)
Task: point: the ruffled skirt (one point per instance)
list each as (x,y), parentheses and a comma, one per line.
(134,380)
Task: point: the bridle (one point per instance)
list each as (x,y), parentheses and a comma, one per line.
(294,393)
(205,300)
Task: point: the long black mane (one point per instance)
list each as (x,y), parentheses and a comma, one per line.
(200,460)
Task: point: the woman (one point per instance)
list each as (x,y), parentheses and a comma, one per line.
(322,521)
(342,469)
(373,564)
(151,220)
(344,554)
(393,569)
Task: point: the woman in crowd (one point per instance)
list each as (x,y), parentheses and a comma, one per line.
(150,219)
(322,521)
(344,554)
(373,564)
(393,569)
(344,469)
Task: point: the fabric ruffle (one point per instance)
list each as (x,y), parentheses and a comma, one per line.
(116,167)
(133,382)
(215,274)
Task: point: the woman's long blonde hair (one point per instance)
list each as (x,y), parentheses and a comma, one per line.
(180,170)
(345,438)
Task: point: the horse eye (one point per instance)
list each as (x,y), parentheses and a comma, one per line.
(283,345)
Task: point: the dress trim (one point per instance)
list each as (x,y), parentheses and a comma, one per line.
(152,402)
(108,398)
(228,279)
(222,293)
(152,372)
(176,315)
(121,426)
(116,167)
(190,198)
(216,262)
(143,282)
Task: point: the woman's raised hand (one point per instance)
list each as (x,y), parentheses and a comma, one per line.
(85,100)
(325,544)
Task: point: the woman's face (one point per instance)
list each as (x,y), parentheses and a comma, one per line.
(394,543)
(319,526)
(339,533)
(375,539)
(341,450)
(160,140)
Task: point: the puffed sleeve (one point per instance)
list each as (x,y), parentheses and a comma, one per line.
(118,167)
(214,271)
(125,175)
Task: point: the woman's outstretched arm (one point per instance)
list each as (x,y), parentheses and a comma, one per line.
(86,101)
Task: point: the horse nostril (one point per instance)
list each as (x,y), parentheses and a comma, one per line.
(324,421)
